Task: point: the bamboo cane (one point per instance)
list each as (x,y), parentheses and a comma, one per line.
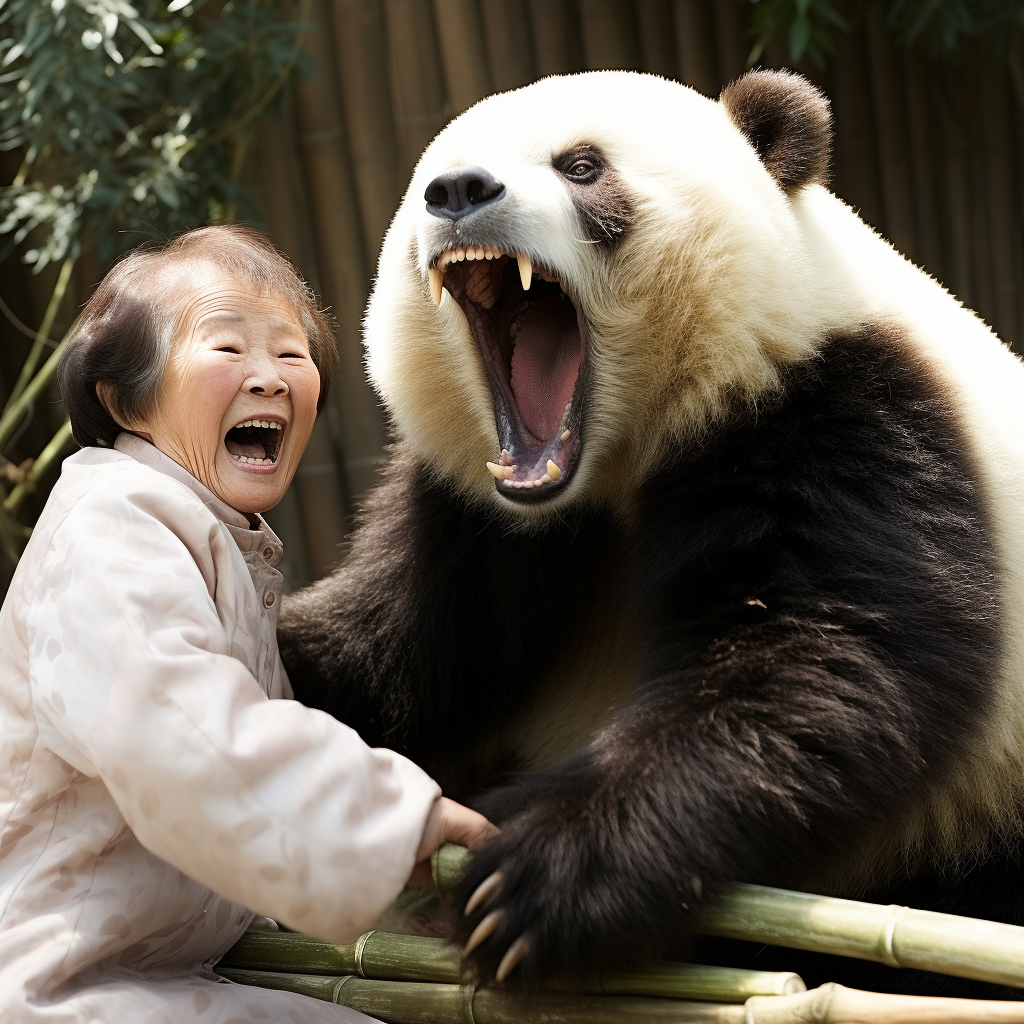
(60,442)
(42,337)
(834,1004)
(17,408)
(391,957)
(407,1002)
(421,1002)
(897,936)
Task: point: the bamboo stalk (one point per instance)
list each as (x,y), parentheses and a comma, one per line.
(17,408)
(410,1002)
(417,87)
(856,161)
(834,1004)
(890,121)
(420,1002)
(657,37)
(556,37)
(695,46)
(509,44)
(52,453)
(609,34)
(898,936)
(731,40)
(366,97)
(42,337)
(392,957)
(464,56)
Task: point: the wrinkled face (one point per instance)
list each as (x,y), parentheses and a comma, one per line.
(578,268)
(237,399)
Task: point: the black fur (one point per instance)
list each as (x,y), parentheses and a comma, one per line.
(603,203)
(819,632)
(787,120)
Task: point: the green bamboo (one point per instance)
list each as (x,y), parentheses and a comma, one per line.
(392,957)
(381,955)
(42,337)
(49,455)
(897,936)
(17,407)
(407,1002)
(696,981)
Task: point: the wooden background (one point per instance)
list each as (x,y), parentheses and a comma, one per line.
(931,153)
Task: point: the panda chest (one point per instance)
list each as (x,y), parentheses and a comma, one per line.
(578,694)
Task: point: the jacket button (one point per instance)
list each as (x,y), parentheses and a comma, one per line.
(268,553)
(269,598)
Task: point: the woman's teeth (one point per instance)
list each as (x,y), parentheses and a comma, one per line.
(252,462)
(266,424)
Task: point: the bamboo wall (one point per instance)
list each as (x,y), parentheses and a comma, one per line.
(931,154)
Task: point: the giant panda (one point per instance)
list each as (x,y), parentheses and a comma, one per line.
(699,555)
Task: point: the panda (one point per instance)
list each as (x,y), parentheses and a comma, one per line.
(699,555)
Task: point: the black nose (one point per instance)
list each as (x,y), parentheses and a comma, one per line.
(461,191)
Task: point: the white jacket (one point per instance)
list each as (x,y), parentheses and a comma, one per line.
(154,793)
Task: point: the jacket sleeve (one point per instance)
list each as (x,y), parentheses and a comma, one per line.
(269,803)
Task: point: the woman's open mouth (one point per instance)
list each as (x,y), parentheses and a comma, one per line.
(532,340)
(255,442)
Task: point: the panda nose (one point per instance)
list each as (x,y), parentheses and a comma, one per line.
(461,191)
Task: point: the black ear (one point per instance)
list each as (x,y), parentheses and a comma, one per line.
(787,120)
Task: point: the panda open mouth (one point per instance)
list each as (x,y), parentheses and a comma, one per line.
(532,340)
(255,442)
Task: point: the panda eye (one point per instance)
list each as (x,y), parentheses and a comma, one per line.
(581,169)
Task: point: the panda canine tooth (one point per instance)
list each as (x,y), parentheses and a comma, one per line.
(552,469)
(436,284)
(564,436)
(500,472)
(525,271)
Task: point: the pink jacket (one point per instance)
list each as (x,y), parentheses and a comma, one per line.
(155,789)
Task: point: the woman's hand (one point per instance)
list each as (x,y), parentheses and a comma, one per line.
(448,822)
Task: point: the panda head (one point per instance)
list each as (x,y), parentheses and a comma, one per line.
(589,269)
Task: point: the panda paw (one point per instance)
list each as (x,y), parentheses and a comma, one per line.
(548,898)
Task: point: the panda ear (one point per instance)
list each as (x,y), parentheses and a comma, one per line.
(787,120)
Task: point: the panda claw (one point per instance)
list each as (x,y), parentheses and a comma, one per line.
(484,891)
(484,930)
(513,955)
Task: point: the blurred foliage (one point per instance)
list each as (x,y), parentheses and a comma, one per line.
(809,26)
(133,118)
(132,122)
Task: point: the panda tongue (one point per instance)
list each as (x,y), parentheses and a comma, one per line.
(545,364)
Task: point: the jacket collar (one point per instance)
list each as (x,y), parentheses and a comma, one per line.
(248,536)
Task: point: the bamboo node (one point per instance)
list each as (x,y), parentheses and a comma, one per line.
(336,994)
(468,995)
(357,953)
(888,933)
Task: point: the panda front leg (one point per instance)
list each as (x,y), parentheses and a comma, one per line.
(739,768)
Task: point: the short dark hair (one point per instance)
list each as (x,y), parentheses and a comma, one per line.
(123,336)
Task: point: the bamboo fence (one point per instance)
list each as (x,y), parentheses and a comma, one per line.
(931,153)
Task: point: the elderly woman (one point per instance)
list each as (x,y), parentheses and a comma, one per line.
(157,791)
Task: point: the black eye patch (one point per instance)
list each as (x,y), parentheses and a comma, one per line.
(581,165)
(605,207)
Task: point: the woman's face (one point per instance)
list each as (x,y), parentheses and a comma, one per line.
(237,400)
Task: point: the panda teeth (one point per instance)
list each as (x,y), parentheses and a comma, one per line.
(436,284)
